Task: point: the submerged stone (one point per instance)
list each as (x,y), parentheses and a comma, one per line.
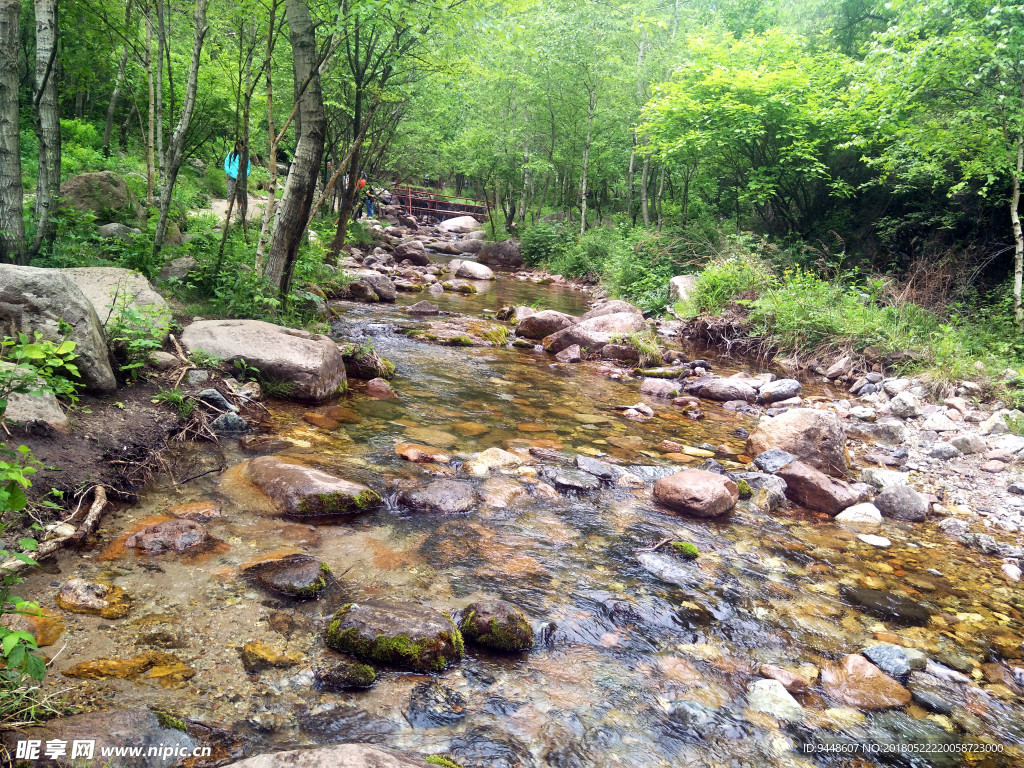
(295,575)
(888,605)
(81,596)
(306,492)
(570,480)
(498,625)
(444,496)
(433,705)
(257,656)
(173,536)
(344,675)
(857,682)
(401,635)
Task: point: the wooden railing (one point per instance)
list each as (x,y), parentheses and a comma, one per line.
(424,202)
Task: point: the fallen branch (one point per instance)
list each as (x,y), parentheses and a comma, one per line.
(657,546)
(47,548)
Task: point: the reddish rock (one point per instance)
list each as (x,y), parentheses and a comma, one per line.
(815,437)
(697,493)
(421,453)
(571,354)
(791,681)
(173,536)
(199,511)
(380,389)
(815,490)
(857,682)
(545,323)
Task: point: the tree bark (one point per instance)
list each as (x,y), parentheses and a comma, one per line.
(161,44)
(1018,235)
(586,162)
(629,180)
(115,97)
(151,135)
(268,210)
(47,119)
(661,191)
(293,213)
(12,224)
(526,166)
(644,181)
(176,148)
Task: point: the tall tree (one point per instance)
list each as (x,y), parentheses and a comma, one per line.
(47,121)
(12,225)
(293,211)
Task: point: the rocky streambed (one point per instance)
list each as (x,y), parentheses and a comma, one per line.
(700,565)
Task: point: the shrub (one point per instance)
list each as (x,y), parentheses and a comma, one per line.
(721,282)
(135,333)
(51,361)
(541,244)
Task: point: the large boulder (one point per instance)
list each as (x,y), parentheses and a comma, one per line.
(469,245)
(815,437)
(33,299)
(460,225)
(611,307)
(504,254)
(414,251)
(401,635)
(306,492)
(443,496)
(336,756)
(370,285)
(112,290)
(697,493)
(104,194)
(310,363)
(680,287)
(544,323)
(815,490)
(723,389)
(471,270)
(594,332)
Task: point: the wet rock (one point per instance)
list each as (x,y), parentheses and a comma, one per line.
(665,388)
(775,391)
(815,490)
(295,575)
(901,502)
(816,438)
(493,458)
(310,366)
(433,705)
(258,656)
(484,748)
(595,467)
(874,541)
(889,431)
(668,569)
(505,254)
(773,460)
(449,497)
(791,681)
(337,756)
(81,596)
(414,251)
(472,270)
(571,354)
(570,480)
(857,682)
(698,493)
(229,425)
(109,730)
(424,307)
(380,389)
(166,669)
(173,536)
(213,397)
(365,363)
(397,634)
(544,323)
(421,453)
(498,625)
(892,659)
(500,492)
(887,605)
(723,390)
(309,493)
(771,698)
(935,693)
(866,514)
(344,676)
(595,331)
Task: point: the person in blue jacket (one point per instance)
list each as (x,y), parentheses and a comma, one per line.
(231,167)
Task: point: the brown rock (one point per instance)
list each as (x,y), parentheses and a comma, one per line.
(571,354)
(697,493)
(320,420)
(258,656)
(815,490)
(306,492)
(815,437)
(380,389)
(791,681)
(198,511)
(857,682)
(421,453)
(173,536)
(544,323)
(81,596)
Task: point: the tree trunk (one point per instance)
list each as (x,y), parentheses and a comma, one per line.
(293,213)
(12,224)
(526,166)
(629,180)
(115,97)
(176,148)
(47,116)
(268,210)
(161,43)
(644,181)
(661,191)
(151,136)
(1018,236)
(586,162)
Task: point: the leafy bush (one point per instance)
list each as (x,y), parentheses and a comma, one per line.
(51,361)
(721,282)
(541,244)
(135,333)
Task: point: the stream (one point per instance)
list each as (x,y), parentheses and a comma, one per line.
(643,659)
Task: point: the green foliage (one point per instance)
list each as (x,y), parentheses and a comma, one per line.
(278,388)
(720,283)
(52,361)
(542,244)
(203,359)
(182,403)
(18,648)
(135,333)
(441,760)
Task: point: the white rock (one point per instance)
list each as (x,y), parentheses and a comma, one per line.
(905,405)
(875,541)
(1011,572)
(865,514)
(883,478)
(940,422)
(994,425)
(1012,443)
(893,387)
(771,697)
(862,413)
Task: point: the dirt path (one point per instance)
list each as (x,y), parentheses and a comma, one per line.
(257,204)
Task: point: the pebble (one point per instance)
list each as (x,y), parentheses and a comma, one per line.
(1011,572)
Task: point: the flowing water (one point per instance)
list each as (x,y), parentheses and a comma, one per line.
(643,658)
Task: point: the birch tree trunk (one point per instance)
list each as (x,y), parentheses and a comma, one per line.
(645,177)
(268,210)
(12,225)
(150,138)
(176,148)
(47,118)
(161,43)
(293,213)
(1018,236)
(526,167)
(586,161)
(115,97)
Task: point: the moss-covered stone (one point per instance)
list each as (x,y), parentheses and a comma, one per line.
(744,489)
(168,720)
(686,549)
(306,492)
(345,675)
(497,625)
(257,656)
(294,575)
(462,340)
(396,634)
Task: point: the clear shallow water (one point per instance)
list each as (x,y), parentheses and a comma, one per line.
(644,659)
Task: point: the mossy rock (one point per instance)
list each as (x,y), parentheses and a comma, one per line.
(686,549)
(400,635)
(344,676)
(462,340)
(364,364)
(305,492)
(498,625)
(295,575)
